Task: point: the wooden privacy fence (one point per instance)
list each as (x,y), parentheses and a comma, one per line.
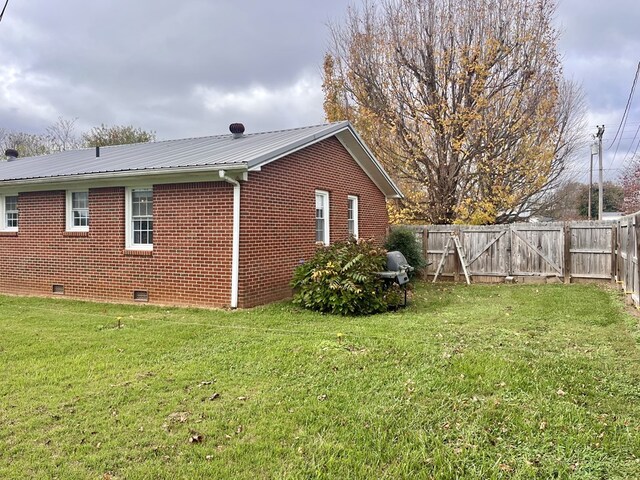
(556,251)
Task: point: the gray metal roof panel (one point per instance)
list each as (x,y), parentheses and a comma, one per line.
(217,152)
(205,153)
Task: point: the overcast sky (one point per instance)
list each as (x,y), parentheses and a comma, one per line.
(192,67)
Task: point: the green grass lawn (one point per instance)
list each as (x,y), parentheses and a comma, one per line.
(468,382)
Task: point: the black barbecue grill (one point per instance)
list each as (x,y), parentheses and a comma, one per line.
(397,271)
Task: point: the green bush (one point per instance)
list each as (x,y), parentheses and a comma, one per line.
(404,240)
(342,278)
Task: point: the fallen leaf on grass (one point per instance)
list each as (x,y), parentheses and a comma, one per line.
(196,437)
(179,417)
(561,392)
(505,467)
(242,399)
(322,398)
(215,396)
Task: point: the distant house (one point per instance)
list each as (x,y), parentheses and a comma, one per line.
(612,215)
(217,221)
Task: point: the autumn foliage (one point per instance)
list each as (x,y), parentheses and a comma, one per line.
(631,186)
(462,100)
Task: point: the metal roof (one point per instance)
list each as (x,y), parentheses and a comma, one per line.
(191,154)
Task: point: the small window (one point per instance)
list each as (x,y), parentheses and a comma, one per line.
(139,213)
(77,211)
(352,216)
(10,213)
(322,217)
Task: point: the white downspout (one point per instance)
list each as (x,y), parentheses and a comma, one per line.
(235,246)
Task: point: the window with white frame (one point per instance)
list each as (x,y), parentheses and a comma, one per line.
(352,216)
(9,207)
(322,217)
(139,218)
(77,211)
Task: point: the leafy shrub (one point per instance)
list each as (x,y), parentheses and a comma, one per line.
(404,240)
(342,278)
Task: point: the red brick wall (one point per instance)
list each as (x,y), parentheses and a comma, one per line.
(278,215)
(190,263)
(191,259)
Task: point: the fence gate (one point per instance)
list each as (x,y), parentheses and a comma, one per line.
(592,250)
(605,250)
(487,249)
(537,250)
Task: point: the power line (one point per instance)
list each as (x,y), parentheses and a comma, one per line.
(3,9)
(625,115)
(631,146)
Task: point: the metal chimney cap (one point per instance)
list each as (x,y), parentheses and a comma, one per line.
(237,129)
(11,153)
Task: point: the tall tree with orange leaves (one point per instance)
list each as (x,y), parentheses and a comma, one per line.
(462,100)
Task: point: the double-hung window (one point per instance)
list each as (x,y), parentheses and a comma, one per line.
(322,217)
(77,211)
(352,216)
(139,213)
(9,213)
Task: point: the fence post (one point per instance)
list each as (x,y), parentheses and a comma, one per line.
(425,250)
(567,252)
(614,253)
(637,252)
(508,252)
(456,258)
(628,271)
(619,266)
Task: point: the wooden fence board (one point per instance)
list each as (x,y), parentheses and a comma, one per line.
(606,250)
(591,249)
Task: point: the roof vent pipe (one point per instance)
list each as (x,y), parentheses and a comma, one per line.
(237,129)
(97,151)
(11,154)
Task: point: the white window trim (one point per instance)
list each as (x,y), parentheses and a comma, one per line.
(70,226)
(356,215)
(3,216)
(327,217)
(128,226)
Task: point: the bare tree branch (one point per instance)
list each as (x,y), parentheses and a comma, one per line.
(463,101)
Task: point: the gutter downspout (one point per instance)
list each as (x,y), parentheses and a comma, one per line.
(235,248)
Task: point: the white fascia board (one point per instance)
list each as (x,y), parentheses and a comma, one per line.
(372,160)
(336,130)
(130,178)
(256,164)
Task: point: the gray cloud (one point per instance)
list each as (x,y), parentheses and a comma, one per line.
(600,43)
(158,64)
(190,68)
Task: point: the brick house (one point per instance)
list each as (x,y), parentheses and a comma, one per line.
(217,221)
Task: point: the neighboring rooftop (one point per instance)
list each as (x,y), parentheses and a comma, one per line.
(231,151)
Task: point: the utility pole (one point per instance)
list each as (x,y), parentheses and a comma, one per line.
(594,151)
(600,202)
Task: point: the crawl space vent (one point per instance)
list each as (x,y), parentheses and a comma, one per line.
(58,289)
(141,295)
